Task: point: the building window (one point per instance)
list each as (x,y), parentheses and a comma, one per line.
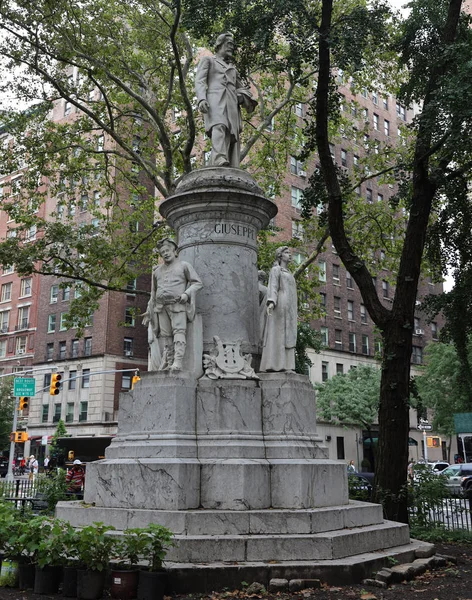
(126,380)
(324,336)
(23,317)
(385,103)
(46,381)
(337,306)
(378,346)
(298,109)
(85,378)
(324,371)
(62,325)
(363,314)
(336,274)
(67,108)
(296,194)
(368,195)
(352,342)
(83,411)
(339,369)
(57,413)
(350,310)
(434,330)
(21,344)
(128,344)
(365,344)
(6,292)
(349,281)
(74,348)
(380,197)
(70,412)
(332,151)
(51,323)
(376,121)
(323,300)
(385,289)
(54,293)
(45,413)
(297,230)
(62,350)
(322,270)
(72,380)
(296,167)
(386,127)
(3,348)
(49,351)
(375,98)
(88,346)
(338,339)
(131,287)
(340,447)
(66,294)
(4,319)
(401,111)
(25,287)
(130,316)
(417,355)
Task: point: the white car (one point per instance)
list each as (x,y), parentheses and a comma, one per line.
(455,474)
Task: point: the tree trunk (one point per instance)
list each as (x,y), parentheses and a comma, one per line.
(394,422)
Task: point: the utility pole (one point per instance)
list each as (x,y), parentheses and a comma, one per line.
(9,475)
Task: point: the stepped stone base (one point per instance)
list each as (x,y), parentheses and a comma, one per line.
(338,544)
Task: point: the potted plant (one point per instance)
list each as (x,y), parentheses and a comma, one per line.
(71,563)
(50,556)
(94,548)
(9,568)
(20,546)
(130,549)
(152,583)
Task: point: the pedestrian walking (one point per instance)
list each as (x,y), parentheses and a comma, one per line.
(351,467)
(33,467)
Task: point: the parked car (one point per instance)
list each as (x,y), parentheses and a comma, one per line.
(3,466)
(439,466)
(455,474)
(360,488)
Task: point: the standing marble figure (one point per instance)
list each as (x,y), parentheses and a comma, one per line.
(280,331)
(170,308)
(220,93)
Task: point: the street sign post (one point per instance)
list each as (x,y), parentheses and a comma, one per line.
(425,427)
(24,386)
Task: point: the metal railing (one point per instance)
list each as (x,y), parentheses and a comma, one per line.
(453,512)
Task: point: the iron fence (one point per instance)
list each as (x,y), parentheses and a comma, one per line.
(453,512)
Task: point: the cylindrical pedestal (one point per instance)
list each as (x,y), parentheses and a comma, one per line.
(217,214)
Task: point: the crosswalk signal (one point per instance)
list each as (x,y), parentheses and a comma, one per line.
(18,437)
(24,402)
(135,379)
(70,455)
(55,386)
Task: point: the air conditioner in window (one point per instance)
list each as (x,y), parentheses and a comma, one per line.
(128,353)
(53,300)
(21,351)
(302,173)
(419,331)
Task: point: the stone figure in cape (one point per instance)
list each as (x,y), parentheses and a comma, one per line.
(220,93)
(171,306)
(280,331)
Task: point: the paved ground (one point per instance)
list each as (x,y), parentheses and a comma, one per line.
(451,583)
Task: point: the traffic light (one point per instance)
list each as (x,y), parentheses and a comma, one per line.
(55,386)
(24,402)
(433,441)
(18,437)
(135,379)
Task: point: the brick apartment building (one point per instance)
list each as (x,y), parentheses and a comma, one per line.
(33,331)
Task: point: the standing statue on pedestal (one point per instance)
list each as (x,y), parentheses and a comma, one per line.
(220,93)
(170,308)
(280,331)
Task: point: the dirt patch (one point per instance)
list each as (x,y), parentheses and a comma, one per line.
(451,583)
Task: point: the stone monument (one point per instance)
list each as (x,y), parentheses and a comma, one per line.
(230,460)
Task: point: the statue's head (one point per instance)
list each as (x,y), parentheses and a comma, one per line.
(261,275)
(280,252)
(225,44)
(167,246)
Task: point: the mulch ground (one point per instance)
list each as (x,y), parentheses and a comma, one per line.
(451,583)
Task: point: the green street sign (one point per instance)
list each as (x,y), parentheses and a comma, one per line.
(24,386)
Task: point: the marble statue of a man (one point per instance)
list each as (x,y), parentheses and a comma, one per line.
(171,306)
(220,93)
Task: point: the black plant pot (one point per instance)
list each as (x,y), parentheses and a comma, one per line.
(152,585)
(26,575)
(69,582)
(47,580)
(90,584)
(124,584)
